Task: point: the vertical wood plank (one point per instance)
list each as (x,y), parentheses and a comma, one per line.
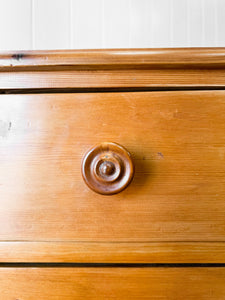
(51,24)
(59,24)
(209,23)
(116,24)
(179,23)
(141,23)
(71,24)
(87,24)
(220,23)
(137,23)
(161,23)
(195,23)
(15,25)
(32,26)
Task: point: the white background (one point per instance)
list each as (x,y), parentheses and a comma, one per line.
(81,24)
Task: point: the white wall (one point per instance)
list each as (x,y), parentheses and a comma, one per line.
(80,24)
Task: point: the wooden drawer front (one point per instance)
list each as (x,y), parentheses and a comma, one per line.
(177,142)
(112,283)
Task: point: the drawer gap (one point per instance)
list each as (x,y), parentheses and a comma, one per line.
(111,265)
(109,90)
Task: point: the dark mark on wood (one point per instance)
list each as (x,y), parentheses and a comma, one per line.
(160,155)
(18,56)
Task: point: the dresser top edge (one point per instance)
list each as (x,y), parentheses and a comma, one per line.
(195,68)
(113,58)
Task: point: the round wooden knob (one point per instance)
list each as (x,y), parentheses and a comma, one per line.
(107,168)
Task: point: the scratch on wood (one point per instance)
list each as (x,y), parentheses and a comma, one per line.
(160,155)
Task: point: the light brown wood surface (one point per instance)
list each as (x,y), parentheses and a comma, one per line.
(94,252)
(173,212)
(177,143)
(117,58)
(154,78)
(117,68)
(112,283)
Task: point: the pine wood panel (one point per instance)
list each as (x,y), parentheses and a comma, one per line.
(177,142)
(93,252)
(177,78)
(112,283)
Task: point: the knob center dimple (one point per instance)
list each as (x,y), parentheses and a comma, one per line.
(107,168)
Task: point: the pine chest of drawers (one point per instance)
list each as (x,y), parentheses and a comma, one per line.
(112,174)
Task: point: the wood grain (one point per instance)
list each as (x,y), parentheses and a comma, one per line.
(93,252)
(112,283)
(118,68)
(195,78)
(114,57)
(176,140)
(174,209)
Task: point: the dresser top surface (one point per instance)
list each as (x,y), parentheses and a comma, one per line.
(113,68)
